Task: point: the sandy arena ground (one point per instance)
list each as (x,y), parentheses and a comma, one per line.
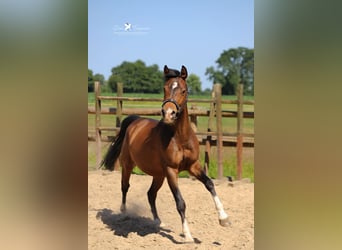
(108,228)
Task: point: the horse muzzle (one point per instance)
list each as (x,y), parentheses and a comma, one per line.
(170,111)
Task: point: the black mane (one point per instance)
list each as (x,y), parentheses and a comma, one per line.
(171,74)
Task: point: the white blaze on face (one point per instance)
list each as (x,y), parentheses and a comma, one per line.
(169,111)
(174,85)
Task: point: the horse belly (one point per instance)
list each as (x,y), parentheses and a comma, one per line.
(143,148)
(147,160)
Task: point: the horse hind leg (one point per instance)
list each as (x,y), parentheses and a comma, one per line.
(197,171)
(127,168)
(152,195)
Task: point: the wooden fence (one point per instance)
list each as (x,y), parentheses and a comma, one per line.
(208,138)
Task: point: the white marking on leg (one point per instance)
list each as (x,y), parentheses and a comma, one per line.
(219,208)
(186,232)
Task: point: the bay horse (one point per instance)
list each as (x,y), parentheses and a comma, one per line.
(163,149)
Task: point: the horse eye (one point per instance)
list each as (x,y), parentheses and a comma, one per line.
(183,92)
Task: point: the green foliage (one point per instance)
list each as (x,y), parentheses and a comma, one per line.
(93,78)
(194,84)
(233,66)
(100,78)
(137,77)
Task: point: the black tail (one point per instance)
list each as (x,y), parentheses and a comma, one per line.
(115,147)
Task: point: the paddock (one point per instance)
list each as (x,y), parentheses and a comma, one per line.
(108,228)
(208,137)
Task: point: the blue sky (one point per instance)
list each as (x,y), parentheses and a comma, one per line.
(175,33)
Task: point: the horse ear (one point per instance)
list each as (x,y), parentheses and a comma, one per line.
(166,70)
(184,72)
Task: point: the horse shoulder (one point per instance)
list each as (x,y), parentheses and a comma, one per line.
(191,150)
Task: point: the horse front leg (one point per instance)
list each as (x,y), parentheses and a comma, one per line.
(172,179)
(198,172)
(152,195)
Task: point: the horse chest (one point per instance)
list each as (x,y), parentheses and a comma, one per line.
(180,156)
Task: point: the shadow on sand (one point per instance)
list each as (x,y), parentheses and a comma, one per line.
(124,223)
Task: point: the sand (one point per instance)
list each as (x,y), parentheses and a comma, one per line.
(108,228)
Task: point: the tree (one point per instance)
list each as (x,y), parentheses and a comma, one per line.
(194,84)
(99,78)
(93,78)
(137,77)
(233,66)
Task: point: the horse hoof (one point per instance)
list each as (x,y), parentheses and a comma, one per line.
(159,223)
(123,208)
(225,222)
(189,240)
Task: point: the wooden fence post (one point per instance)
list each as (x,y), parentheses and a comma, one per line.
(97,92)
(218,93)
(239,142)
(209,129)
(119,93)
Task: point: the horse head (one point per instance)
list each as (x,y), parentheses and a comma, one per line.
(175,94)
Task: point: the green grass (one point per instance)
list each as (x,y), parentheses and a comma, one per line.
(228,124)
(229,162)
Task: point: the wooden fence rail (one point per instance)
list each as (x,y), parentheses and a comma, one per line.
(207,138)
(142,99)
(157,111)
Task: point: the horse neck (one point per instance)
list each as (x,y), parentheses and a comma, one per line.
(183,124)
